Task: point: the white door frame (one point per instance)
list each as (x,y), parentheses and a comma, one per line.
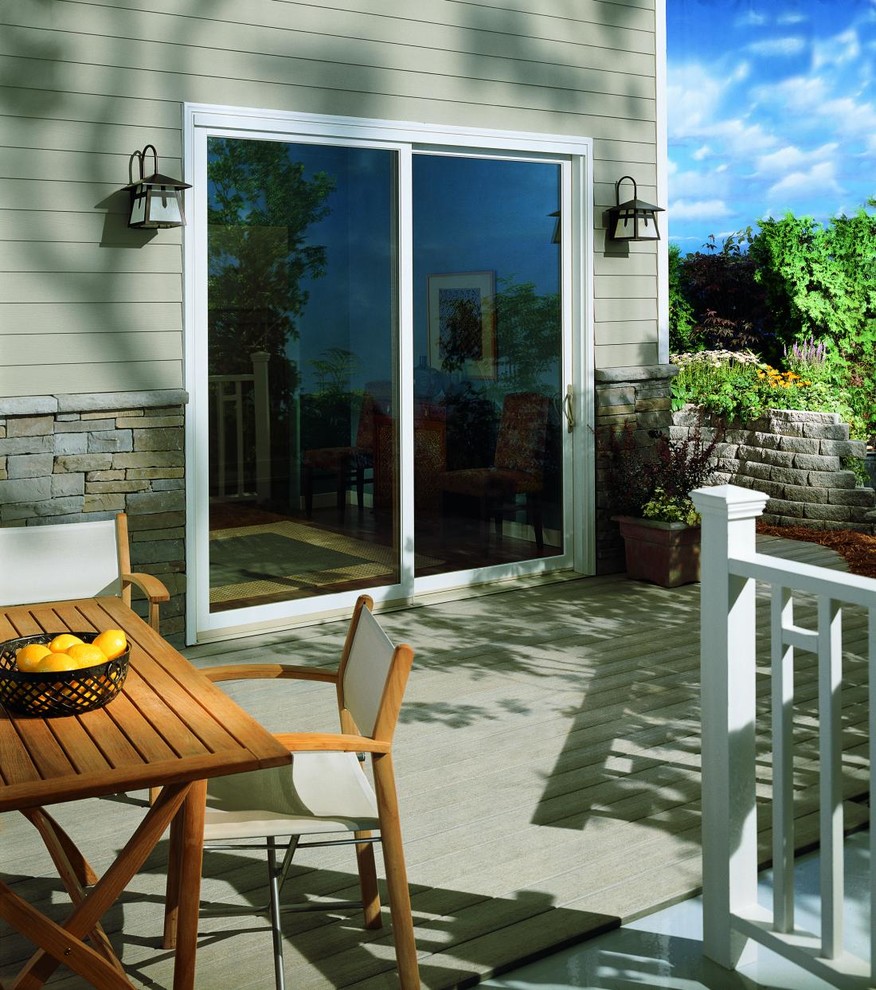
(575,154)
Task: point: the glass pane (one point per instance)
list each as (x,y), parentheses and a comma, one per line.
(302,320)
(488,334)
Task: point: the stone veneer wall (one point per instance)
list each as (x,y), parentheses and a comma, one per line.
(797,459)
(74,457)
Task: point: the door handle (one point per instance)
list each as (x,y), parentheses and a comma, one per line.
(569,409)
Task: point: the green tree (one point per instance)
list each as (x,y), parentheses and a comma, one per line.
(820,284)
(260,208)
(726,308)
(681,314)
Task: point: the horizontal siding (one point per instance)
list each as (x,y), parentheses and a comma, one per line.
(83,287)
(99,376)
(114,347)
(623,310)
(311,63)
(99,79)
(627,355)
(91,317)
(66,258)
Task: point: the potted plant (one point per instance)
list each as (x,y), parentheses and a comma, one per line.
(649,478)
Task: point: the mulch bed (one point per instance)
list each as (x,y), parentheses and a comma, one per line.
(859,549)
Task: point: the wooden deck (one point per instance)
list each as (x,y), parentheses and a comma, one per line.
(549,774)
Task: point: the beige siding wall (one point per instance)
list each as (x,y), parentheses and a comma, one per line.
(87,305)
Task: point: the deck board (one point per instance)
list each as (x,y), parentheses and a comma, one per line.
(549,773)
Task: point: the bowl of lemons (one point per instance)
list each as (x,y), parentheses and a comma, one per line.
(53,674)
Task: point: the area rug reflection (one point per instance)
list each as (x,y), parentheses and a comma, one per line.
(285,558)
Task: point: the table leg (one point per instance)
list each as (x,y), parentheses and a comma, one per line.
(101,897)
(43,931)
(183,900)
(74,871)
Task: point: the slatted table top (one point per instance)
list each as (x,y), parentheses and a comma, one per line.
(169,724)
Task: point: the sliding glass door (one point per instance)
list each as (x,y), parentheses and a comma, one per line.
(382,357)
(302,320)
(487,383)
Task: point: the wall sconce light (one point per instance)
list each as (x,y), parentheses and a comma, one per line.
(633,220)
(156,200)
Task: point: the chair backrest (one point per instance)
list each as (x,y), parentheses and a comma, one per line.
(61,561)
(367,428)
(373,674)
(523,433)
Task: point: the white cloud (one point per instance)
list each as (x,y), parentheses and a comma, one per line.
(703,152)
(703,209)
(751,18)
(792,157)
(693,98)
(700,184)
(813,182)
(838,50)
(781,47)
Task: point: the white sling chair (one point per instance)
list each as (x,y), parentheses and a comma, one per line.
(73,560)
(325,795)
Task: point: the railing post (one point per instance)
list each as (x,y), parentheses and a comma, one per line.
(727,670)
(262,410)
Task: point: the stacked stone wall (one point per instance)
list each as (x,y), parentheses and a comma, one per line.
(800,460)
(76,457)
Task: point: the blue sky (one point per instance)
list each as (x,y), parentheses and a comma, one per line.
(772,107)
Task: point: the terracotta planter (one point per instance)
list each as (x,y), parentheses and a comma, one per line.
(664,553)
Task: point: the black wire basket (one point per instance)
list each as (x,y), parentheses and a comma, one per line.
(53,693)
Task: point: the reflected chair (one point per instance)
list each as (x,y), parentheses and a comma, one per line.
(346,464)
(518,465)
(325,796)
(73,560)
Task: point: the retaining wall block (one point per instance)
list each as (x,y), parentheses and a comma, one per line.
(833,479)
(816,462)
(805,493)
(851,496)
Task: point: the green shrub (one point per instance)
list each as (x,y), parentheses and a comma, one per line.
(654,477)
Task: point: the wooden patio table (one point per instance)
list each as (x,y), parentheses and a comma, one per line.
(170,727)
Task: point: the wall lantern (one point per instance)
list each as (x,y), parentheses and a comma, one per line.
(156,200)
(633,220)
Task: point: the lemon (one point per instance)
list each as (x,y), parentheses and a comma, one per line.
(63,642)
(111,642)
(29,656)
(55,662)
(86,654)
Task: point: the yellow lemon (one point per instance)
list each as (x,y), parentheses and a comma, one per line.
(55,662)
(29,656)
(63,642)
(111,642)
(86,654)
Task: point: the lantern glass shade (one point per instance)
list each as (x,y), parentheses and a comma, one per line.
(156,200)
(633,220)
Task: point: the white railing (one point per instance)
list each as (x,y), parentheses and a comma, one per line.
(227,399)
(731,567)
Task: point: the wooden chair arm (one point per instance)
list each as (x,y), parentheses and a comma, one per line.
(302,742)
(263,671)
(152,587)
